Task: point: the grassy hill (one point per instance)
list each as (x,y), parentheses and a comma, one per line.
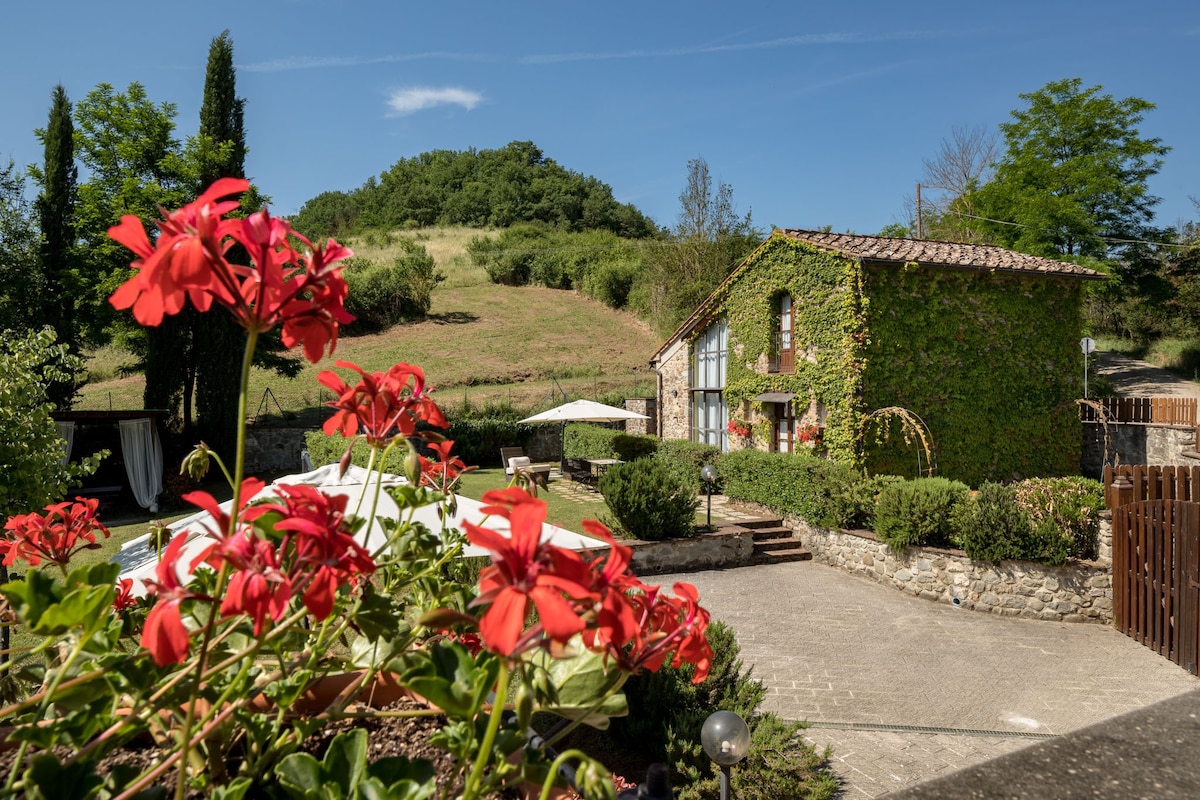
(481,342)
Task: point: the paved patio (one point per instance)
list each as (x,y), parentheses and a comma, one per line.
(905,689)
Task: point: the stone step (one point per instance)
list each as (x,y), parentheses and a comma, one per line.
(778,532)
(782,556)
(762,522)
(782,543)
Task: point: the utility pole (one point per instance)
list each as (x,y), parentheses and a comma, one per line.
(920,228)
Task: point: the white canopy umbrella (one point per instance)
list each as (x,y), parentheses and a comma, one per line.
(139,560)
(581,411)
(585,411)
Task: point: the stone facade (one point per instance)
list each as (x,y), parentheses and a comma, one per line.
(674,412)
(1135,443)
(1080,592)
(642,405)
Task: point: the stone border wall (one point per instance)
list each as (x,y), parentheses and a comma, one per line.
(728,546)
(1135,443)
(1080,592)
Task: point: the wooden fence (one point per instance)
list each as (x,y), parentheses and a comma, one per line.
(1140,482)
(1156,577)
(1144,410)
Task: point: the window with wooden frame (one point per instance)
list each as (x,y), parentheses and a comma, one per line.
(783,359)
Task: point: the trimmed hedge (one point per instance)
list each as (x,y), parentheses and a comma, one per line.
(586,440)
(686,458)
(919,512)
(993,527)
(810,487)
(649,501)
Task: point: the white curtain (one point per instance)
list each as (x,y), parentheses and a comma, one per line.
(143,461)
(67,431)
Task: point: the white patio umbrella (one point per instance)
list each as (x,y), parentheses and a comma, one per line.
(581,411)
(584,411)
(139,560)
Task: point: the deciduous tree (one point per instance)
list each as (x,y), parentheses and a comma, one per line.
(1073,178)
(709,239)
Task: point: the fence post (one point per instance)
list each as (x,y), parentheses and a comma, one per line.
(1120,492)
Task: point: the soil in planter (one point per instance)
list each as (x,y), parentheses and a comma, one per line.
(386,736)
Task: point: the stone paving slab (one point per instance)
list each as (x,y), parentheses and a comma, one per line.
(834,648)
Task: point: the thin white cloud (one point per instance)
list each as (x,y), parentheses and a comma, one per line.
(805,40)
(767,44)
(305,62)
(409,101)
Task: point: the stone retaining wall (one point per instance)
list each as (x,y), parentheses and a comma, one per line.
(1135,443)
(730,546)
(1080,592)
(274,449)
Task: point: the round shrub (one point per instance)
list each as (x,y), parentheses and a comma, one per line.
(1071,506)
(993,527)
(649,501)
(919,512)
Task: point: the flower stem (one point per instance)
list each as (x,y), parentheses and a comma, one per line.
(473,786)
(548,784)
(238,471)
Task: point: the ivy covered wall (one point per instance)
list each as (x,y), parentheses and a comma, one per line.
(988,361)
(827,332)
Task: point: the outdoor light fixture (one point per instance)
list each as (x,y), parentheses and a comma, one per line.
(708,474)
(726,738)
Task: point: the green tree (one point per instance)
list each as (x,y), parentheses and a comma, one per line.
(134,163)
(216,339)
(56,217)
(708,241)
(21,287)
(1073,178)
(31,447)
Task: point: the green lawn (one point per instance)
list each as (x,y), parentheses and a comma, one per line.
(566,510)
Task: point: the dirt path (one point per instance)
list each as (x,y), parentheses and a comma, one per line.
(1133,378)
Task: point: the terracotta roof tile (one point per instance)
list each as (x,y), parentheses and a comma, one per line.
(942,254)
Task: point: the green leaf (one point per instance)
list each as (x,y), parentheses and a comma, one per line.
(447,676)
(300,776)
(581,681)
(48,779)
(346,760)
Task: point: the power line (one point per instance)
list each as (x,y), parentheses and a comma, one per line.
(1105,239)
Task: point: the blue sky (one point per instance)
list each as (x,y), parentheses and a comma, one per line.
(815,113)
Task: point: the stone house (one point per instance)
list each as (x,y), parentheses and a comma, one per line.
(814,331)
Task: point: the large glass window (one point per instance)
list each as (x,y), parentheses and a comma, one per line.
(709,358)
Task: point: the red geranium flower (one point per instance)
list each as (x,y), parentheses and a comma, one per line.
(525,571)
(318,553)
(124,598)
(443,473)
(164,634)
(382,404)
(56,535)
(301,289)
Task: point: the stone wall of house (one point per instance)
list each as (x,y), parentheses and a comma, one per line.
(674,414)
(1080,592)
(274,449)
(1135,443)
(642,405)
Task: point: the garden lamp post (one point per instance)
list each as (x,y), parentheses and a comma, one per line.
(708,474)
(726,738)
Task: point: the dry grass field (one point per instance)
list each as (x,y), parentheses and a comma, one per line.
(481,342)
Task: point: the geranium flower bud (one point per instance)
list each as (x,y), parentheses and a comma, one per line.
(196,463)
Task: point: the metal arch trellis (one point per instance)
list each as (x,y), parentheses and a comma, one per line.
(911,426)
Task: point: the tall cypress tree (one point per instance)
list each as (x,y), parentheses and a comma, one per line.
(217,341)
(56,215)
